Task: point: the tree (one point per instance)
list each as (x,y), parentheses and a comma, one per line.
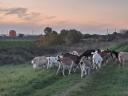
(47,30)
(87,36)
(63,34)
(70,36)
(51,37)
(21,35)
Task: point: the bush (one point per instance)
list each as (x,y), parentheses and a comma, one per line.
(21,55)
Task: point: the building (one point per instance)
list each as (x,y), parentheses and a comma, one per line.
(12,33)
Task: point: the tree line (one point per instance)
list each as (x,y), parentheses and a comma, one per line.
(67,37)
(73,36)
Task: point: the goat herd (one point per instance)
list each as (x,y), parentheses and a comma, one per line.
(90,60)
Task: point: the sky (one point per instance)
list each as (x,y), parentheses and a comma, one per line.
(87,16)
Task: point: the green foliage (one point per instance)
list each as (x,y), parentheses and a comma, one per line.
(53,38)
(47,30)
(20,55)
(50,38)
(71,36)
(22,51)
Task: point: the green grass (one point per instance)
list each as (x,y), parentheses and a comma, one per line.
(14,43)
(110,81)
(121,47)
(23,80)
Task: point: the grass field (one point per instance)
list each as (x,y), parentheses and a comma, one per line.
(14,43)
(22,80)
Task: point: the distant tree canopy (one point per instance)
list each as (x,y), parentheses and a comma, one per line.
(51,37)
(48,30)
(73,36)
(70,36)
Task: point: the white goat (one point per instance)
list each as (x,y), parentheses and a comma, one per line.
(39,62)
(53,61)
(97,60)
(123,58)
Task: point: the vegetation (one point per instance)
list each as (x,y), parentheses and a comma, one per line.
(21,55)
(72,36)
(66,37)
(17,51)
(15,43)
(22,51)
(22,80)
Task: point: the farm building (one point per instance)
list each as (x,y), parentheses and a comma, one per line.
(12,33)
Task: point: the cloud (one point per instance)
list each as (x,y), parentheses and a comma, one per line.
(21,13)
(25,14)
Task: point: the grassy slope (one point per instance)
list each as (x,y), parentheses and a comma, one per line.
(22,80)
(121,47)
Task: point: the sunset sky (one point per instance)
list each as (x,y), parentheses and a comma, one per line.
(87,16)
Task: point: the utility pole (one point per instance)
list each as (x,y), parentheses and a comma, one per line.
(107,34)
(107,31)
(115,30)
